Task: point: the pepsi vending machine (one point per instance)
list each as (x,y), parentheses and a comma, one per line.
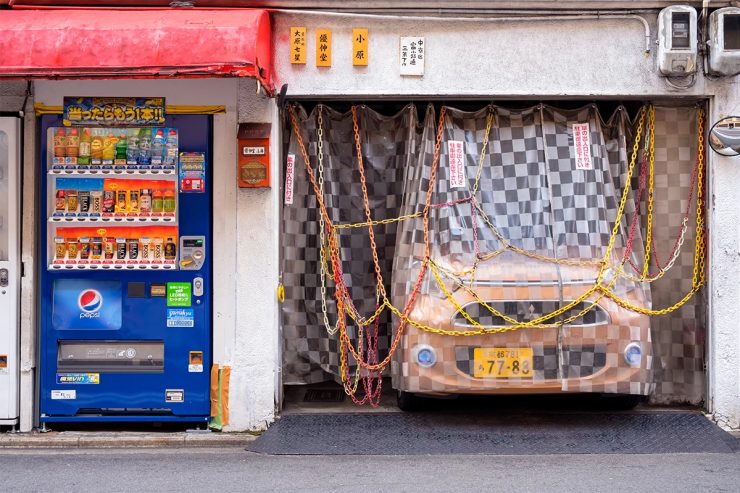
(125,312)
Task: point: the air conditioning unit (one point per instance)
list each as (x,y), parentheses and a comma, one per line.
(724,41)
(677,34)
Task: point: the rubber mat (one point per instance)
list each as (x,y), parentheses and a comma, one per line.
(656,432)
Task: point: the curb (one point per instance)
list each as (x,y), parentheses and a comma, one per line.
(67,439)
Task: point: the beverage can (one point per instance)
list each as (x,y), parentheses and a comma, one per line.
(122,203)
(157,248)
(145,201)
(133,248)
(71,200)
(170,250)
(84,199)
(61,202)
(145,248)
(84,247)
(133,201)
(72,247)
(60,250)
(109,201)
(96,201)
(96,249)
(120,248)
(110,248)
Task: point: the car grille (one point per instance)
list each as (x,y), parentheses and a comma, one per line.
(524,311)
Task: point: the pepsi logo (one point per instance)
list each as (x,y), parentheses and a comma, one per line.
(90,302)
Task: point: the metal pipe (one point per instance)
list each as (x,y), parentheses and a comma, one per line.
(569,17)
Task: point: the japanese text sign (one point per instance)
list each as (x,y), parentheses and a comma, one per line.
(298,45)
(456,154)
(125,112)
(323,47)
(411,56)
(582,146)
(359,47)
(289,170)
(179,294)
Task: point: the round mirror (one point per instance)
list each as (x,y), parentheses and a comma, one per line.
(724,137)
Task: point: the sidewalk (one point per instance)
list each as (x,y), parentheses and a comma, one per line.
(123,439)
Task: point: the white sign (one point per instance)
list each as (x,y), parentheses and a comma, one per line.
(63,394)
(456,154)
(411,56)
(289,170)
(253,151)
(195,368)
(582,145)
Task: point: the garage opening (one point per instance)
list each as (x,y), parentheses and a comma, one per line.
(476,248)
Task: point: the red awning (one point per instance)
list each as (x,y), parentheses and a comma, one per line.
(138,43)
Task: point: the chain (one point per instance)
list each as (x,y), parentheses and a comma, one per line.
(651,186)
(599,290)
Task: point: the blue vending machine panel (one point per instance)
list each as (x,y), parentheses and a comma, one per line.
(125,312)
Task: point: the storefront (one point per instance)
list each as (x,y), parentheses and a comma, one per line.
(511,86)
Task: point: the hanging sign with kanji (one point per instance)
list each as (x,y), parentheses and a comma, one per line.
(359,47)
(124,112)
(323,47)
(298,45)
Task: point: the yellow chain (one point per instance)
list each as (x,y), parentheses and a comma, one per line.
(649,229)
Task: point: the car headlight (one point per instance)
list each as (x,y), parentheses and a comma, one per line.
(633,354)
(425,356)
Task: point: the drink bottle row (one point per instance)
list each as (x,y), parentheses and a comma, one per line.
(129,148)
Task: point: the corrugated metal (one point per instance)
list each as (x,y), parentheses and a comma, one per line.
(90,43)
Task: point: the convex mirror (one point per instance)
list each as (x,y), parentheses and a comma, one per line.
(724,137)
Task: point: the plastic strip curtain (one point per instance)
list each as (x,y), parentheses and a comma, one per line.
(528,198)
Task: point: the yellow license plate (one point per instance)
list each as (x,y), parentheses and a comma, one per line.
(502,362)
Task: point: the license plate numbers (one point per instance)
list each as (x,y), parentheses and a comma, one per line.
(502,363)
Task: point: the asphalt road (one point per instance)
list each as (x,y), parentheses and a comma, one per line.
(224,470)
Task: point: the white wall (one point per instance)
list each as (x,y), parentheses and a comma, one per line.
(542,60)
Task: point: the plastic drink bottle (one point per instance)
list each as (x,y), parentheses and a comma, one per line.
(84,152)
(73,142)
(158,147)
(170,157)
(145,146)
(121,148)
(132,147)
(60,142)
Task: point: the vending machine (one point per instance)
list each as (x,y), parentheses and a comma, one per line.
(125,308)
(10,267)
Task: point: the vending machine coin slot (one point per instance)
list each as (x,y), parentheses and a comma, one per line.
(198,286)
(192,252)
(4,278)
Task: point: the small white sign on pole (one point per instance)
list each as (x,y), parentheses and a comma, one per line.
(412,55)
(582,146)
(289,175)
(456,154)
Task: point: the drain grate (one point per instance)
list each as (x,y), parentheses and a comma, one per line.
(324,395)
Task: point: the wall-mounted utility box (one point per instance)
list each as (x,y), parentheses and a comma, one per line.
(254,155)
(677,35)
(724,41)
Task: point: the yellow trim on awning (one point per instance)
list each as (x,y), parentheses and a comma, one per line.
(175,109)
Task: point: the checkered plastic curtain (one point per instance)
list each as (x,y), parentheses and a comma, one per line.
(528,189)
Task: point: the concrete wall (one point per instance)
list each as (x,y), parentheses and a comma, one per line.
(541,59)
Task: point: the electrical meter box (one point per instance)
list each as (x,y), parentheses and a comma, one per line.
(724,41)
(677,40)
